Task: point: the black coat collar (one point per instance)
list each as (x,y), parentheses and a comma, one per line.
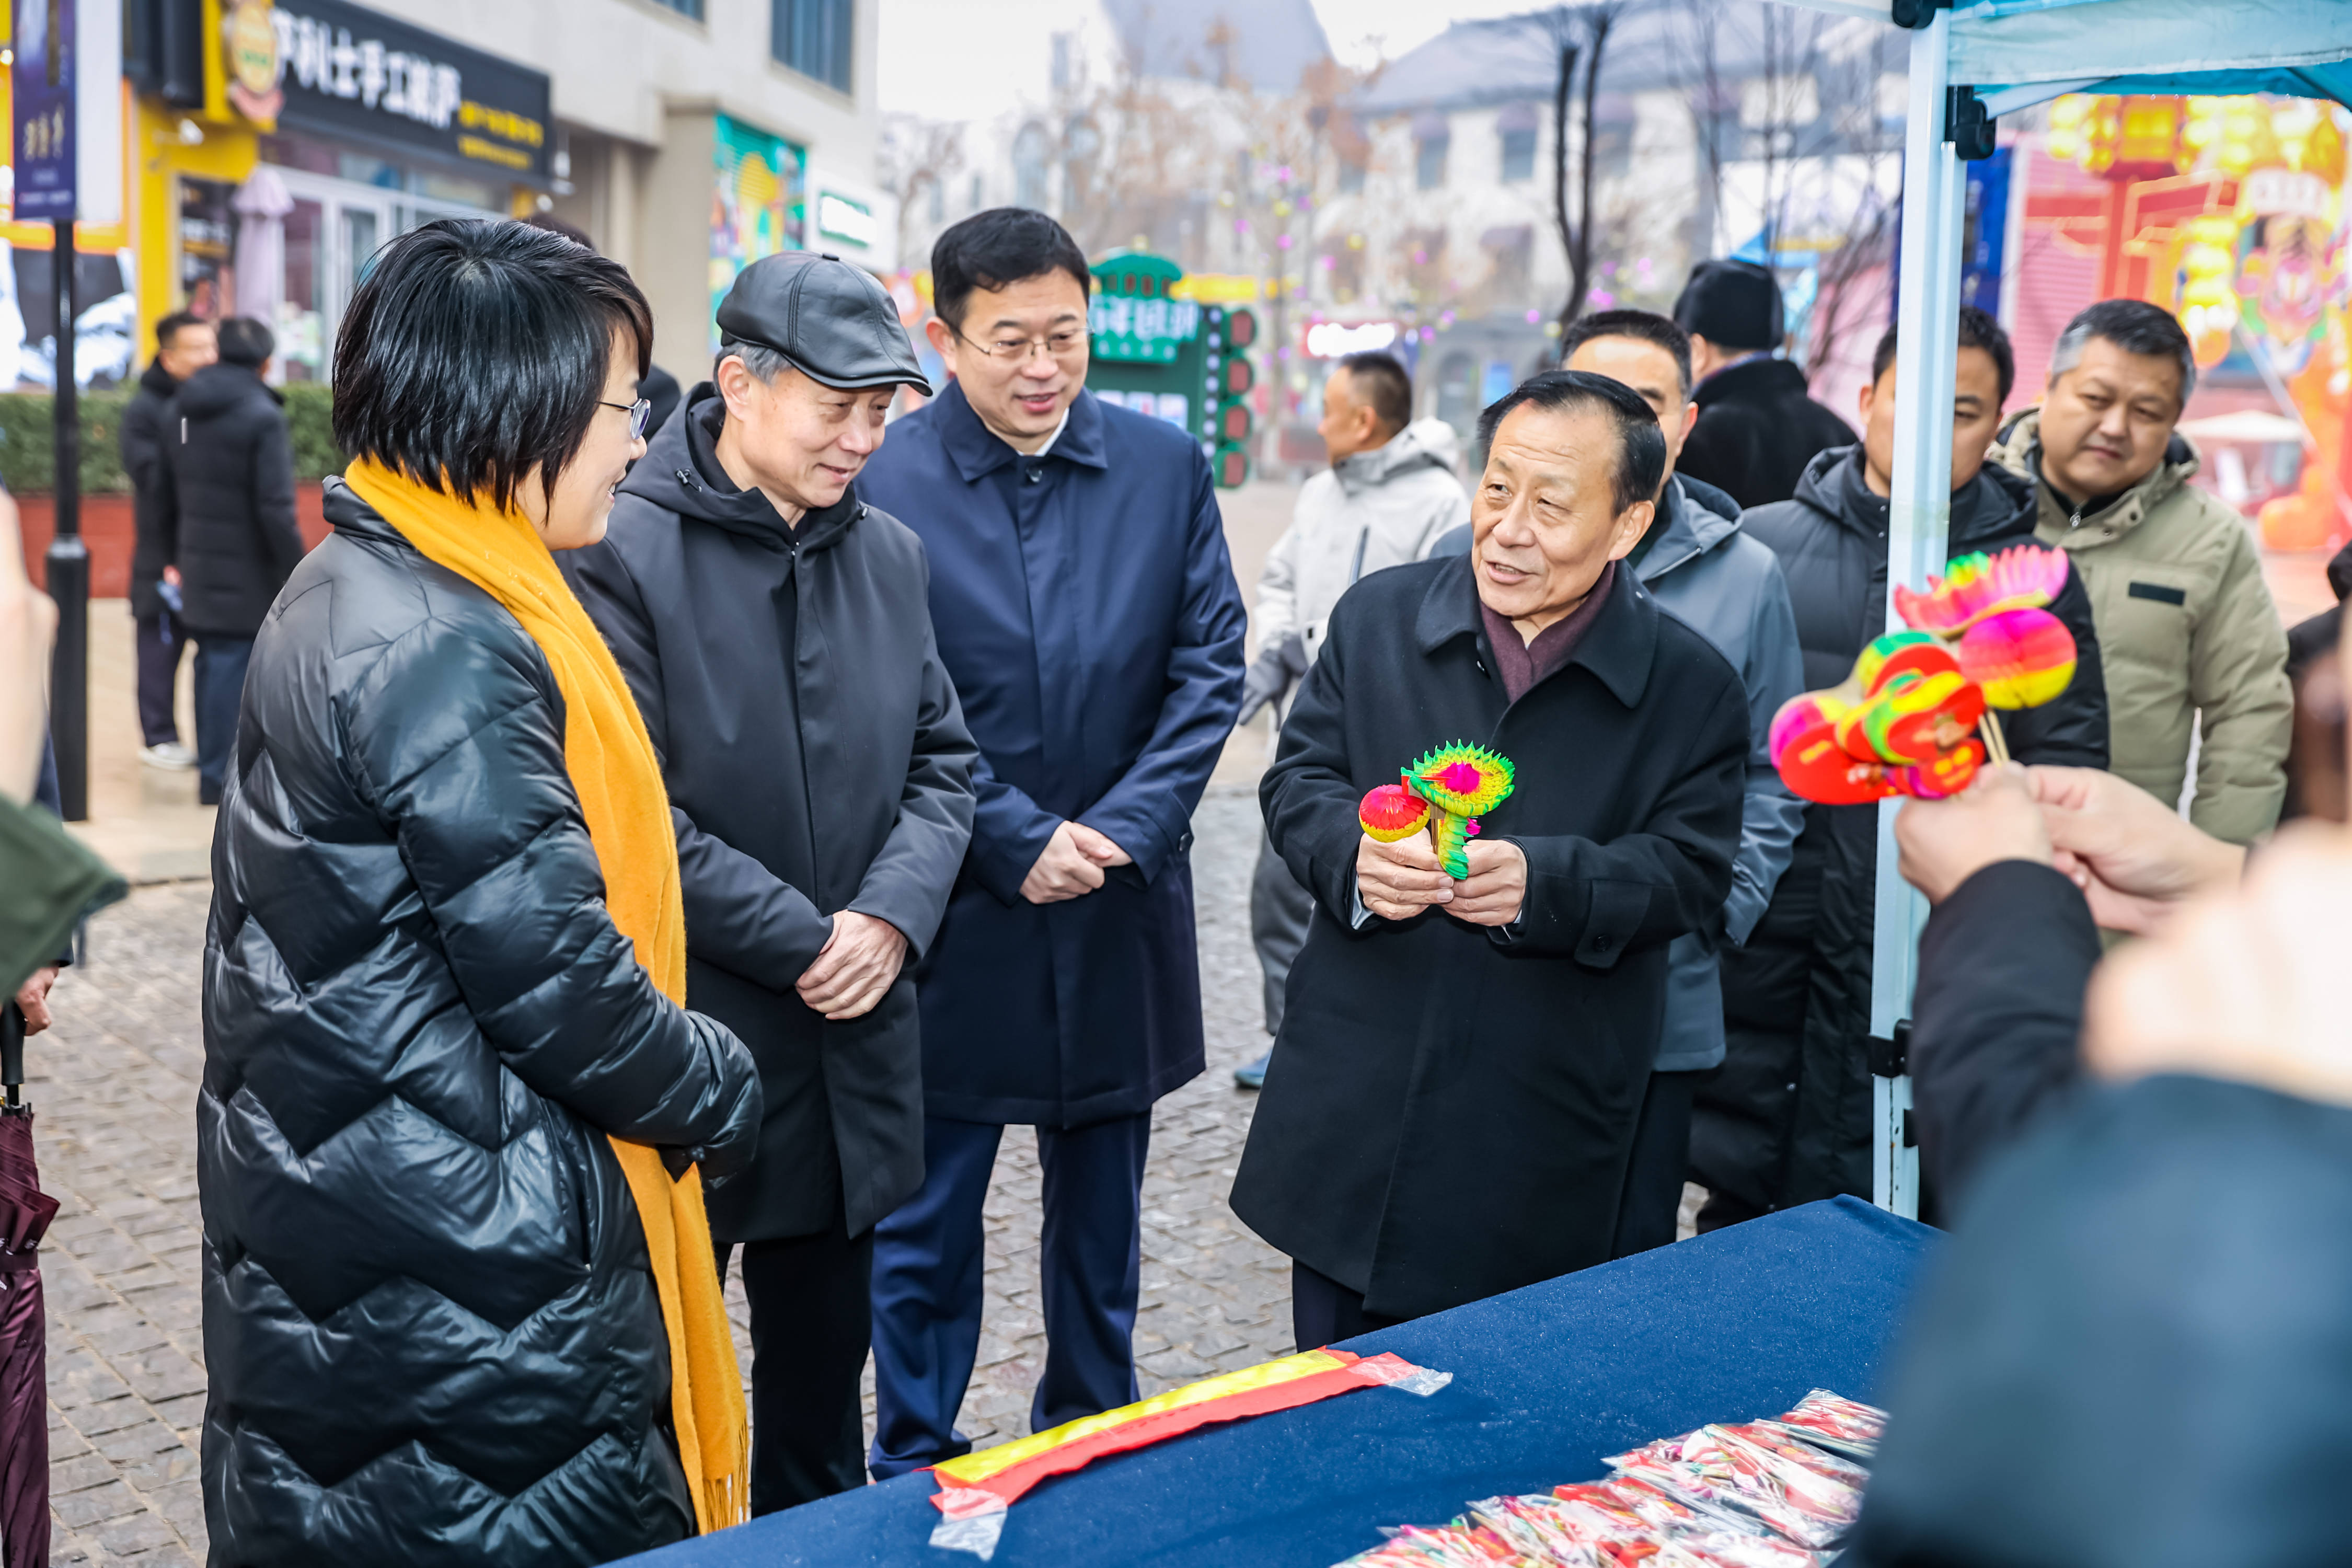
(975,449)
(1756,381)
(1618,649)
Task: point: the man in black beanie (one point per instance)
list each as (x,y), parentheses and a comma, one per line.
(1757,428)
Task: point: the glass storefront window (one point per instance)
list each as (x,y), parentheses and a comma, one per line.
(207,230)
(314,156)
(453,188)
(329,237)
(303,310)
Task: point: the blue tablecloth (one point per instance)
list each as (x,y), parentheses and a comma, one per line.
(1547,1379)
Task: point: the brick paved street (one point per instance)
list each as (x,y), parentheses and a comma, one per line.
(115,1086)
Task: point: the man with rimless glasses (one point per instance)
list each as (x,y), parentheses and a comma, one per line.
(1088,610)
(773,630)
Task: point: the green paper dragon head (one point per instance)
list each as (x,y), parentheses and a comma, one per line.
(1466,780)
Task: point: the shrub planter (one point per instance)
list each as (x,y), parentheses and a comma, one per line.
(106,528)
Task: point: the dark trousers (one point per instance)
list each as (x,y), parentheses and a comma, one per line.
(1280,911)
(927,1259)
(1323,1311)
(161,639)
(220,690)
(1652,1197)
(812,1320)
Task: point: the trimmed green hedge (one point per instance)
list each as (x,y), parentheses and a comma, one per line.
(28,451)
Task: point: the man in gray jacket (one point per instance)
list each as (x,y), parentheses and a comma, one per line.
(1728,588)
(1386,498)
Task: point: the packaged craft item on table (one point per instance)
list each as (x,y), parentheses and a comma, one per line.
(1777,1440)
(1810,1509)
(1550,1530)
(1461,1544)
(1664,1510)
(1756,1494)
(1726,1549)
(1841,1426)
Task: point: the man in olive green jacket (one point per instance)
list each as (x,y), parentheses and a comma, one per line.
(2187,629)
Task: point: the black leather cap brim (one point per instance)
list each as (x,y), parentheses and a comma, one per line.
(863,381)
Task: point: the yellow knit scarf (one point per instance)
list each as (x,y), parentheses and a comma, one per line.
(618,780)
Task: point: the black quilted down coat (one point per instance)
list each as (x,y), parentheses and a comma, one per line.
(429,1321)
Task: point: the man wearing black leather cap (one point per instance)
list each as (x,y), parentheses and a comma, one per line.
(777,634)
(1757,426)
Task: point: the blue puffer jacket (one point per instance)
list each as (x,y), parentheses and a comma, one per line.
(430,1325)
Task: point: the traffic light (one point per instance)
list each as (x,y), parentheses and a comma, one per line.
(1227,378)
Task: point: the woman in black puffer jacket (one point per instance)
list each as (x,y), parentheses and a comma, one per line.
(431,1322)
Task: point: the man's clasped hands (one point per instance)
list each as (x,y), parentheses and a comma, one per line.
(1399,880)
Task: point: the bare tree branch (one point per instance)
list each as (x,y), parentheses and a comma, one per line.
(1579,36)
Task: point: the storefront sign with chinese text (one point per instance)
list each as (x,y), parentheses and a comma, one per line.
(364,76)
(1141,332)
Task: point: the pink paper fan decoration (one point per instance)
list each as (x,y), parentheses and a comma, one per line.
(2022,658)
(2024,576)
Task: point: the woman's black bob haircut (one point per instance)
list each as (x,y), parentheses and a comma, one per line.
(477,349)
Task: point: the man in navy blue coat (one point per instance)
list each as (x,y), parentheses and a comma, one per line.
(1086,609)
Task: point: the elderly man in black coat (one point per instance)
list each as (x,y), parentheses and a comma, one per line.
(1454,1096)
(776,633)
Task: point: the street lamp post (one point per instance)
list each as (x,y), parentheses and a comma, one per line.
(69,561)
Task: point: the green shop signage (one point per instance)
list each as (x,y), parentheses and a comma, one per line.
(1173,360)
(1132,320)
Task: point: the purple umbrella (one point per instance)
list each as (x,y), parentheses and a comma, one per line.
(25,1214)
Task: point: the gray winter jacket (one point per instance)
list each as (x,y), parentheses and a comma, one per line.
(1727,587)
(1381,508)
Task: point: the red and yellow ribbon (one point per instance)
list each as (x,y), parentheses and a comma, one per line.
(988,1480)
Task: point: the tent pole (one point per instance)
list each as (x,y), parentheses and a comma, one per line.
(1918,525)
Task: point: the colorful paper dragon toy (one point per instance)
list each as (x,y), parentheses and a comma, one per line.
(1899,725)
(1459,784)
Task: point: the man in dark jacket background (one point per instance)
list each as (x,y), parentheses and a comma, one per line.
(229,526)
(183,345)
(1451,1104)
(1086,605)
(1786,1119)
(1757,427)
(774,631)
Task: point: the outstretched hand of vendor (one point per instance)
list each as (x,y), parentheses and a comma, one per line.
(2134,857)
(2245,984)
(855,969)
(1945,842)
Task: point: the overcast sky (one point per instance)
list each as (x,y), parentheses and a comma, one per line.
(959,60)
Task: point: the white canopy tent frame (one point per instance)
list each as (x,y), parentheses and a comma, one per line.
(2189,40)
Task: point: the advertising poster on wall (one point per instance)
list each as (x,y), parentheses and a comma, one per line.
(43,100)
(758,203)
